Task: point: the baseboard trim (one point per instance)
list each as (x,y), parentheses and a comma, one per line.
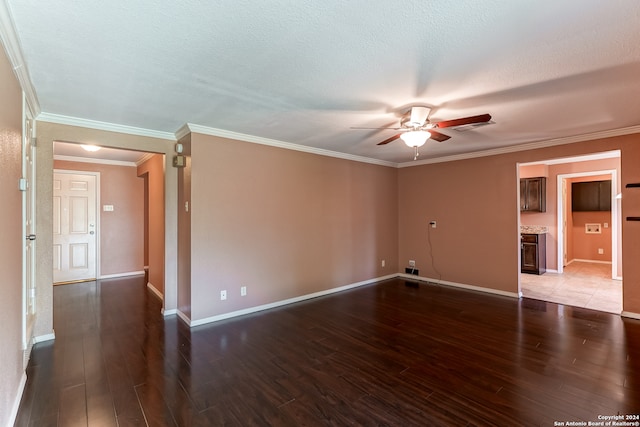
(18,398)
(184,317)
(461,285)
(171,312)
(155,291)
(593,261)
(116,275)
(46,337)
(263,307)
(630,315)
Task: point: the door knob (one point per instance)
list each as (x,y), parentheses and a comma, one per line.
(92,232)
(31,237)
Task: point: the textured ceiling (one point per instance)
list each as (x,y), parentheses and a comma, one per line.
(304,72)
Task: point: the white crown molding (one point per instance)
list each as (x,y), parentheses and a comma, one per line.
(527,146)
(11,43)
(144,158)
(97,161)
(110,127)
(280,144)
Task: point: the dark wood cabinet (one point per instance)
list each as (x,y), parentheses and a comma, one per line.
(533,194)
(591,196)
(533,253)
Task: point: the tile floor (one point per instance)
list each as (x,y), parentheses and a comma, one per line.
(583,284)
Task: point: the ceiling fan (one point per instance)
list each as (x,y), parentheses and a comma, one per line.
(415,128)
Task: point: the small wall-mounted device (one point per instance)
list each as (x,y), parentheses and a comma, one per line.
(179,161)
(179,148)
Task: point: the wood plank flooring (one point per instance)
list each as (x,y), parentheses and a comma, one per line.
(381,355)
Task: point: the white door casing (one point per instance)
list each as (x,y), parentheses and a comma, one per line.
(75,226)
(27,186)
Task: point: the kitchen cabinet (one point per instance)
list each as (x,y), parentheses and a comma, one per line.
(591,196)
(533,194)
(533,253)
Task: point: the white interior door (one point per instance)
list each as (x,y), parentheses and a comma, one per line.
(27,185)
(74,226)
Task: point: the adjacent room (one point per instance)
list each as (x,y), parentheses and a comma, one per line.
(303,213)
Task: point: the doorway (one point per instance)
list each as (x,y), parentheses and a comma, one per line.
(75,226)
(582,279)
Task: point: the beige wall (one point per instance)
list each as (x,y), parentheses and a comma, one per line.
(474,202)
(11,238)
(121,231)
(284,223)
(153,171)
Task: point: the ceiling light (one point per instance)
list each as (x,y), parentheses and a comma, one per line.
(415,138)
(91,148)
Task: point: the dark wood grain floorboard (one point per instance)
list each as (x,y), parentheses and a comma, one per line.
(380,355)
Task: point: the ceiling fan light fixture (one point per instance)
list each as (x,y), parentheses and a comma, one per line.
(415,138)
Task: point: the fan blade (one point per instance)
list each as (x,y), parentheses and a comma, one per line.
(464,121)
(437,136)
(355,127)
(388,140)
(419,115)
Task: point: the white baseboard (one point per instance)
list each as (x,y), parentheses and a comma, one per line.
(593,261)
(630,315)
(184,317)
(127,274)
(461,285)
(18,398)
(171,312)
(46,337)
(155,291)
(551,270)
(255,309)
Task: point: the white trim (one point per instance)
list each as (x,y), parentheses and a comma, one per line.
(460,285)
(592,261)
(109,127)
(155,291)
(576,159)
(280,144)
(16,401)
(263,307)
(630,315)
(184,317)
(550,270)
(11,43)
(45,337)
(527,146)
(144,158)
(127,274)
(91,160)
(171,312)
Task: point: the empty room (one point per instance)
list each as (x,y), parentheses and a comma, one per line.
(290,213)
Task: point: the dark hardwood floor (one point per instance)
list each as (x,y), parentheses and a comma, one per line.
(380,355)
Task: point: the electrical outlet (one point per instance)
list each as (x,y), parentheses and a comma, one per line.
(243,291)
(223,295)
(432,224)
(412,263)
(600,251)
(383,263)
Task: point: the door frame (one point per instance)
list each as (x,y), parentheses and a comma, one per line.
(28,188)
(615,217)
(97,207)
